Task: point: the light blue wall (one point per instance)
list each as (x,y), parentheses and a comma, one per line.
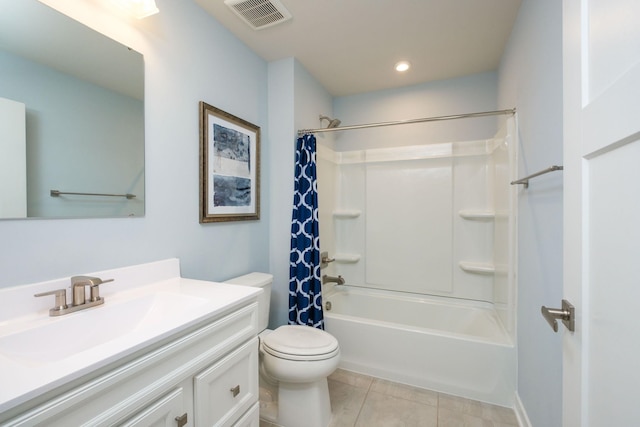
(281,135)
(189,57)
(296,99)
(531,79)
(468,94)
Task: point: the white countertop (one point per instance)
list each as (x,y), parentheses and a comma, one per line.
(153,292)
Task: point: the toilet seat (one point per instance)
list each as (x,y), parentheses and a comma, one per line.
(297,342)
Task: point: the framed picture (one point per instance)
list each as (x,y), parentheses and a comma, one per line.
(229,167)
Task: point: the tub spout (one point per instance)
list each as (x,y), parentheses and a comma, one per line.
(330,279)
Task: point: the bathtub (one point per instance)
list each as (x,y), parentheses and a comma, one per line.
(453,347)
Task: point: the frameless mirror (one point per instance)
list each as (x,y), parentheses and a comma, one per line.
(71,118)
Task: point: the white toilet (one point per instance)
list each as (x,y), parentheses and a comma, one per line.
(295,362)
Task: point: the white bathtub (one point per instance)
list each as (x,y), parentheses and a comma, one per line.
(457,347)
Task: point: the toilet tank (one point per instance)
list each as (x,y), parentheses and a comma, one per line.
(264,281)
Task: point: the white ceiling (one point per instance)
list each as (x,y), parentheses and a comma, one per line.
(350,46)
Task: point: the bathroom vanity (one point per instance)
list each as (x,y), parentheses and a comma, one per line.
(162,350)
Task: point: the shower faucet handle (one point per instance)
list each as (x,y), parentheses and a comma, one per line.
(324,259)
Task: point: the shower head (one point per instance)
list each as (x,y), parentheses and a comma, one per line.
(333,123)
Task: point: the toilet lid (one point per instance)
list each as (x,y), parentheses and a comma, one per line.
(298,342)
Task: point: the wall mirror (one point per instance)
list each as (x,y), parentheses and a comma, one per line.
(71,118)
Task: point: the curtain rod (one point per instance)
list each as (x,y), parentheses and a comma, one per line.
(404,122)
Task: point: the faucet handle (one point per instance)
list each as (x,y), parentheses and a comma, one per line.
(94,295)
(61,299)
(325,260)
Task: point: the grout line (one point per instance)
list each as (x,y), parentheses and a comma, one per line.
(366,396)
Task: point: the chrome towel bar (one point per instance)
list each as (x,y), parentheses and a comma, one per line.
(525,181)
(56,193)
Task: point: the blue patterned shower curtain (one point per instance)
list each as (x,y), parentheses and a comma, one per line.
(305,297)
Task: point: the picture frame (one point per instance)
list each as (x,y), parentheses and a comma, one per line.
(229,167)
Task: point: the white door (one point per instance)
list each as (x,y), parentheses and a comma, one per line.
(602,212)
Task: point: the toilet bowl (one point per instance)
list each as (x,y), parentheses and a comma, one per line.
(299,359)
(295,362)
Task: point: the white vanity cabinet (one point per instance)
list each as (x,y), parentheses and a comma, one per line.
(206,375)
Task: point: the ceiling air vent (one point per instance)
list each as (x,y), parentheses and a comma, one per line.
(259,14)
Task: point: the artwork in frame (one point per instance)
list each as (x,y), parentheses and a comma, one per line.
(229,167)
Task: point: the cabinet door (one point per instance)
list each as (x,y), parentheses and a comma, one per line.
(165,412)
(227,389)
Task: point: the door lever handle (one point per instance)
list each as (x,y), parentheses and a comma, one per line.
(567,314)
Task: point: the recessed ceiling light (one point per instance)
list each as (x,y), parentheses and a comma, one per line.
(402,66)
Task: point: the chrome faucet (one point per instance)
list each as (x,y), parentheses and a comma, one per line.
(79,300)
(330,279)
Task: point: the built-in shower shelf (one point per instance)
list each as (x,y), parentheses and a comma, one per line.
(347,258)
(346,213)
(477,267)
(478,214)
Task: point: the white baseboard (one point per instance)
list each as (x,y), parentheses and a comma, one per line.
(521,414)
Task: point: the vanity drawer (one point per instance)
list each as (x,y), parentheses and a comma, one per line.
(228,388)
(163,412)
(251,418)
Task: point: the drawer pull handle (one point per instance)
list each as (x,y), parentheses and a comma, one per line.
(182,420)
(235,390)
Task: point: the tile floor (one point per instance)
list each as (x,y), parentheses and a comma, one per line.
(363,401)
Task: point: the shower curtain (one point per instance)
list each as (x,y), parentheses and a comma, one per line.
(305,298)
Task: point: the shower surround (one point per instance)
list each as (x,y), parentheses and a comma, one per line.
(433,226)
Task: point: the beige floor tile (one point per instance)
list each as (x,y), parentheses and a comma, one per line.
(485,411)
(380,410)
(362,401)
(450,418)
(406,392)
(351,378)
(346,402)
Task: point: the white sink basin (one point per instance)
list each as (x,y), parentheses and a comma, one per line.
(73,333)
